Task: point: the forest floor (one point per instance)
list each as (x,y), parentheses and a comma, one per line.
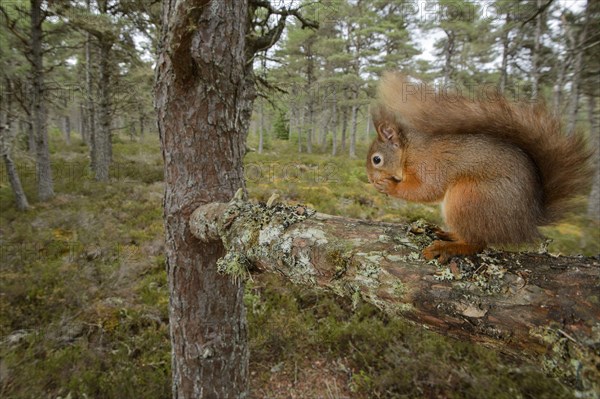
(83,293)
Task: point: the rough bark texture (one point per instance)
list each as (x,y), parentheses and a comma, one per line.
(527,305)
(203,97)
(15,183)
(7,138)
(352,151)
(593,210)
(90,117)
(45,185)
(504,39)
(577,70)
(102,137)
(535,56)
(66,121)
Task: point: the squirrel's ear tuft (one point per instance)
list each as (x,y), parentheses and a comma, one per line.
(387,133)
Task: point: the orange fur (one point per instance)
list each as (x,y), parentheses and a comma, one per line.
(499,169)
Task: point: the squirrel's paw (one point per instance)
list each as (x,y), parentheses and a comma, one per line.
(444,250)
(385,186)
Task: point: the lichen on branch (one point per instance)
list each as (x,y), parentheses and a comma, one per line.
(501,299)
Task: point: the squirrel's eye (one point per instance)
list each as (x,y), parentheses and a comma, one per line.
(376,160)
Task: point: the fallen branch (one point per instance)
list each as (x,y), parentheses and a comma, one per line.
(527,305)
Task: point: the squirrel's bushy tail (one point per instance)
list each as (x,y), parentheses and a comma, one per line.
(562,160)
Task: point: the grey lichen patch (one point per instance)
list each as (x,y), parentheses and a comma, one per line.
(483,273)
(253,228)
(384,238)
(236,265)
(399,289)
(269,233)
(314,235)
(370,265)
(419,235)
(406,242)
(302,269)
(277,217)
(356,298)
(444,274)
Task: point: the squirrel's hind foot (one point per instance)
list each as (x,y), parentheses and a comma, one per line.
(444,250)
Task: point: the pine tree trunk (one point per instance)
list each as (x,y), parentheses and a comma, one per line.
(334,129)
(310,129)
(291,118)
(67,128)
(324,128)
(368,127)
(301,128)
(352,151)
(577,70)
(558,89)
(45,185)
(202,131)
(15,183)
(83,124)
(7,138)
(344,128)
(448,52)
(505,53)
(31,146)
(90,106)
(102,138)
(593,210)
(535,57)
(261,128)
(142,126)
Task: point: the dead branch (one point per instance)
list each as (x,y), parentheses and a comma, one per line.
(526,305)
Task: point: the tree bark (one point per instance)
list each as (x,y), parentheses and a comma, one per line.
(505,52)
(535,57)
(344,128)
(368,126)
(261,127)
(90,107)
(301,124)
(31,142)
(82,124)
(142,126)
(577,70)
(66,122)
(593,210)
(526,305)
(102,138)
(334,118)
(7,138)
(45,185)
(292,115)
(203,96)
(352,148)
(448,53)
(15,183)
(325,118)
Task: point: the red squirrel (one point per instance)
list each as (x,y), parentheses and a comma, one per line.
(499,169)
